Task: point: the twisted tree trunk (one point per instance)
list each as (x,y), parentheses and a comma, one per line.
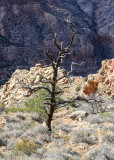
(53,99)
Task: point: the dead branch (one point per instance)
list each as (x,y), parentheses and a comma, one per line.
(45,82)
(36,88)
(61,90)
(48,54)
(71,101)
(70,25)
(65,76)
(54,36)
(71,40)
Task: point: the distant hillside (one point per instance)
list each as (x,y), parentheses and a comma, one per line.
(24,24)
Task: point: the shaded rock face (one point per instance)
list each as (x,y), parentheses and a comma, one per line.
(24,24)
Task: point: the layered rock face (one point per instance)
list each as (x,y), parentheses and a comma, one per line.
(24,24)
(103,80)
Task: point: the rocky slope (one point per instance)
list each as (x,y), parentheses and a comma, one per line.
(72,138)
(23,26)
(12,93)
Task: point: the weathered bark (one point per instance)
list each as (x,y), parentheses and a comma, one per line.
(53,98)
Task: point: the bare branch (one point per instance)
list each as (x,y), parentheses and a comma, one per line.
(66,54)
(61,45)
(65,76)
(48,54)
(54,36)
(35,88)
(71,101)
(71,40)
(46,82)
(70,26)
(44,60)
(61,90)
(61,77)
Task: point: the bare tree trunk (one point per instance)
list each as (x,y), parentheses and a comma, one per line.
(53,99)
(55,63)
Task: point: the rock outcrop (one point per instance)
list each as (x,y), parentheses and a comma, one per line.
(13,91)
(24,24)
(103,80)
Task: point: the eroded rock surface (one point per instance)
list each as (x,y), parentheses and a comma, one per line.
(13,92)
(103,80)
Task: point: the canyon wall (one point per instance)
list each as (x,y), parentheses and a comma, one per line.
(24,24)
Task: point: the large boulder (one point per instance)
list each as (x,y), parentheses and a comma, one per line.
(78,115)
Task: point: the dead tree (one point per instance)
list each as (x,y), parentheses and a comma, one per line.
(55,63)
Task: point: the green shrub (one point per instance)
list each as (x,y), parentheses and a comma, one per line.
(2,156)
(85,79)
(78,88)
(26,146)
(110,61)
(36,104)
(105,114)
(112,109)
(2,107)
(13,109)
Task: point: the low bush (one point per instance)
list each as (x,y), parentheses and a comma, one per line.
(14,109)
(42,133)
(11,144)
(14,133)
(30,133)
(3,142)
(78,88)
(12,126)
(44,138)
(84,136)
(21,117)
(35,117)
(26,146)
(85,79)
(2,107)
(109,138)
(37,105)
(95,119)
(41,129)
(105,114)
(103,152)
(27,124)
(53,155)
(65,127)
(2,156)
(10,119)
(1,131)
